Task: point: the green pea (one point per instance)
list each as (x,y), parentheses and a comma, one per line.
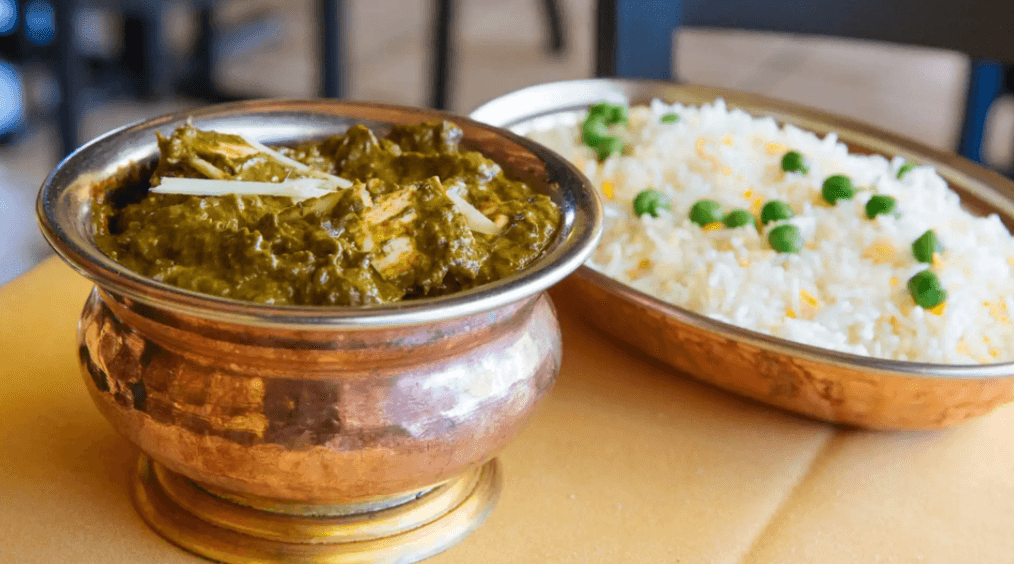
(904,169)
(594,130)
(879,205)
(793,162)
(650,201)
(924,247)
(599,109)
(610,113)
(775,210)
(669,118)
(705,211)
(786,239)
(617,114)
(739,218)
(837,187)
(926,290)
(608,146)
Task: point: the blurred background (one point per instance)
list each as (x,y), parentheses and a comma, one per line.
(119,61)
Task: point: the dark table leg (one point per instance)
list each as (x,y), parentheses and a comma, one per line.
(334,48)
(443,53)
(155,53)
(70,75)
(555,20)
(605,38)
(634,37)
(199,80)
(204,52)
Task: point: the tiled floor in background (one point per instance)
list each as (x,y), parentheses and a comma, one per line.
(913,91)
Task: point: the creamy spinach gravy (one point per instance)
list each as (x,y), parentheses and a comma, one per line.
(396,233)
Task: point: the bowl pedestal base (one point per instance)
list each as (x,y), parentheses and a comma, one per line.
(237,530)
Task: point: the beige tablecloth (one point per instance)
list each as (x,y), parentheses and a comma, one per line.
(625,462)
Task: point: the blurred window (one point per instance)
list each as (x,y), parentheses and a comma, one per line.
(8,16)
(39,22)
(12,106)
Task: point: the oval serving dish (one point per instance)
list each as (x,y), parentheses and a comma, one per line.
(824,384)
(382,419)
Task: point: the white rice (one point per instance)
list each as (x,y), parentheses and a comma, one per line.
(836,293)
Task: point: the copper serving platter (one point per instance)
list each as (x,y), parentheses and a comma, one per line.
(833,386)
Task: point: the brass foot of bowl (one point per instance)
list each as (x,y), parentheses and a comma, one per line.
(241,531)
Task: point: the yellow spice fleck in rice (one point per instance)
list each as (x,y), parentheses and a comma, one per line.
(775,148)
(715,163)
(998,311)
(880,252)
(713,226)
(607,189)
(809,298)
(963,347)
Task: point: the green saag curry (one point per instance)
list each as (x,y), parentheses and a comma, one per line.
(421,217)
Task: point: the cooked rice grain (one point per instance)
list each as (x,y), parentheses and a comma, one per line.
(847,289)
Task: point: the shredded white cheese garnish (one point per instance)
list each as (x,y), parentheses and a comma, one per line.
(206,168)
(337,180)
(394,258)
(297,189)
(476,221)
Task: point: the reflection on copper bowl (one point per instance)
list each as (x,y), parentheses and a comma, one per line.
(312,410)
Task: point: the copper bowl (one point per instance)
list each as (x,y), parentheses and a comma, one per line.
(817,382)
(310,404)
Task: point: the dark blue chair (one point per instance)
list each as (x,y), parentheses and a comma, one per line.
(634,37)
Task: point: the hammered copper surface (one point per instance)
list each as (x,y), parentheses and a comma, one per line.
(320,417)
(828,385)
